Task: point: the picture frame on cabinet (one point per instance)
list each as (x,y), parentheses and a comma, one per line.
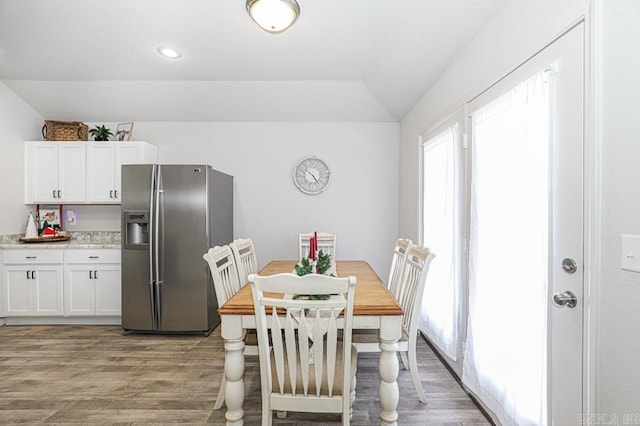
(124,131)
(51,215)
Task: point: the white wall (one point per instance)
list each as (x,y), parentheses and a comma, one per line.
(619,370)
(18,122)
(360,205)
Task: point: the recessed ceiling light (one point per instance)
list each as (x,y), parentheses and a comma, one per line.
(169,52)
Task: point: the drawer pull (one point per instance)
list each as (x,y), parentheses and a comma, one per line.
(30,257)
(94,257)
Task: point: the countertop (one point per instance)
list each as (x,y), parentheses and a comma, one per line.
(79,240)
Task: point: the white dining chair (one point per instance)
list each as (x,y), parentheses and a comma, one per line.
(367,340)
(326,243)
(224,274)
(309,368)
(245,257)
(410,291)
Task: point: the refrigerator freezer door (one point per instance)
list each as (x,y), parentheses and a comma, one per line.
(138,295)
(184,295)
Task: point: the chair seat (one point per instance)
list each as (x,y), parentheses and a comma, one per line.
(337,381)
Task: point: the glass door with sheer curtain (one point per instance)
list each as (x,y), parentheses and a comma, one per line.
(502,223)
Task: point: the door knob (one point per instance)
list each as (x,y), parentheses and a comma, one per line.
(567,298)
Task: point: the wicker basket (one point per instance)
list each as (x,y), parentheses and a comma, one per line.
(65,131)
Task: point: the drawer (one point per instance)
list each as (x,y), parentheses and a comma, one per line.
(25,257)
(92,256)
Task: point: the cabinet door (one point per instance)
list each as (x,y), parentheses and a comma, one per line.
(18,294)
(55,172)
(79,290)
(126,153)
(72,172)
(42,172)
(108,290)
(101,170)
(47,291)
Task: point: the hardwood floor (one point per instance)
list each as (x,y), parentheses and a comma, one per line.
(95,375)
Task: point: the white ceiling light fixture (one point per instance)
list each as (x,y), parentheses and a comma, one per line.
(273,16)
(169,52)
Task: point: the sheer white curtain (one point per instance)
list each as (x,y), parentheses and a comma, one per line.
(440,302)
(506,353)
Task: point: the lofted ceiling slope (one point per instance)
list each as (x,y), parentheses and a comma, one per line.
(343,60)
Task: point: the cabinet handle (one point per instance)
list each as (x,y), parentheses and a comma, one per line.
(28,275)
(115,193)
(33,275)
(90,275)
(30,257)
(54,193)
(59,196)
(111,193)
(95,274)
(94,257)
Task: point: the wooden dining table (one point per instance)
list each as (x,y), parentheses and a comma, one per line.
(374,309)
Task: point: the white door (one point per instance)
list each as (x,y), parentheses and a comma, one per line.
(42,173)
(126,153)
(79,290)
(100,172)
(18,290)
(47,291)
(548,262)
(108,290)
(72,166)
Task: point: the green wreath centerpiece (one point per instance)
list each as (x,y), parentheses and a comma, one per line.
(305,267)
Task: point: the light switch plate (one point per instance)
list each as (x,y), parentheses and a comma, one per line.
(630,252)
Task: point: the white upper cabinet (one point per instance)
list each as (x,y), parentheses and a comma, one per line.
(80,172)
(104,161)
(55,172)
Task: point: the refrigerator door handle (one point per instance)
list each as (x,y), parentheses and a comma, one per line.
(152,242)
(157,255)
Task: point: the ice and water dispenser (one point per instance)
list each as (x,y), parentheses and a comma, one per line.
(136,229)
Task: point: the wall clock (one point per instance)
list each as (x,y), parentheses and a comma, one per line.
(312,175)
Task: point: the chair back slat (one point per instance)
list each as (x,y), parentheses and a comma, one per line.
(305,350)
(397,265)
(278,352)
(245,257)
(303,345)
(326,243)
(223,272)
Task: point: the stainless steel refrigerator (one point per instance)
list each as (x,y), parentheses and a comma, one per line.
(171,215)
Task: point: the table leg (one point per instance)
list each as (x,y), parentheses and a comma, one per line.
(390,332)
(233,335)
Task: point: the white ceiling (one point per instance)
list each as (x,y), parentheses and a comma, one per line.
(343,60)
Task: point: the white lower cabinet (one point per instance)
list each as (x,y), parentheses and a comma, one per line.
(92,283)
(33,283)
(61,285)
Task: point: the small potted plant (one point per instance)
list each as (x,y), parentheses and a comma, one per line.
(101,133)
